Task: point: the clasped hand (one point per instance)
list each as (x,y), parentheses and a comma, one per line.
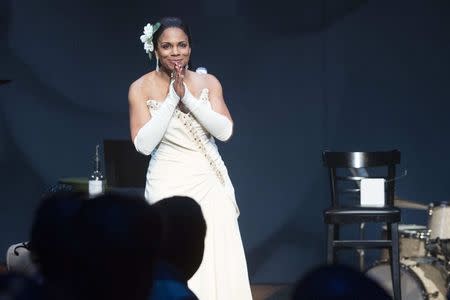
(178,77)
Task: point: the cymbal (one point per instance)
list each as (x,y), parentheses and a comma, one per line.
(403,203)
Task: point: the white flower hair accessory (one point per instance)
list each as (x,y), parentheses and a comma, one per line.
(147,38)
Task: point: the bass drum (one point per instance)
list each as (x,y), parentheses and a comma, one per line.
(421,278)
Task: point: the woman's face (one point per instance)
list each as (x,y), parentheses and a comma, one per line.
(173,48)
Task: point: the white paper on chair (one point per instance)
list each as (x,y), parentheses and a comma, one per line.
(372,192)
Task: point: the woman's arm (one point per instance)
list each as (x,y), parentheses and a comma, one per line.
(217,119)
(139,113)
(216,97)
(147,130)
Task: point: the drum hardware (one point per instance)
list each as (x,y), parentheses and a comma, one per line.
(421,278)
(424,254)
(445,247)
(433,248)
(413,240)
(433,295)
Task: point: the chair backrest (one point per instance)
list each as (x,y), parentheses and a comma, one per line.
(124,166)
(348,168)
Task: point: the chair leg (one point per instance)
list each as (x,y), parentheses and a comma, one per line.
(395,261)
(361,251)
(330,240)
(336,232)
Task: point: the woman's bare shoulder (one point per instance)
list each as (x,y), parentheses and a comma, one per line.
(212,81)
(206,80)
(142,85)
(143,81)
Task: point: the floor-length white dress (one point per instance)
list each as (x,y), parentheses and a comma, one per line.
(187,162)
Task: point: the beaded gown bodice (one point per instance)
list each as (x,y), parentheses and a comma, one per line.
(186,153)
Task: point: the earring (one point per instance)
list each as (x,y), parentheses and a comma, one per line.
(157,64)
(186,66)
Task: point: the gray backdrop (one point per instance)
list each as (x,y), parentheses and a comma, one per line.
(298,79)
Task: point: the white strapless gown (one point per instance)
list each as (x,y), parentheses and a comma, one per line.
(187,163)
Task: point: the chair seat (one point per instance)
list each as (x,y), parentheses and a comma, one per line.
(361,215)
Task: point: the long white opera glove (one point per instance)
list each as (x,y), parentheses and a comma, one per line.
(149,136)
(216,124)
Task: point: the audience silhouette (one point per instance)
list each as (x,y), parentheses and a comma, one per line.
(116,246)
(181,248)
(119,236)
(53,243)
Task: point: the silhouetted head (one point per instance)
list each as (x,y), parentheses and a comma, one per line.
(183,233)
(53,244)
(119,235)
(338,283)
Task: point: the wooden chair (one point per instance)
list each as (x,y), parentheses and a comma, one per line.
(345,186)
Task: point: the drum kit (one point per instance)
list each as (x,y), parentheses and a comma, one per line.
(424,255)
